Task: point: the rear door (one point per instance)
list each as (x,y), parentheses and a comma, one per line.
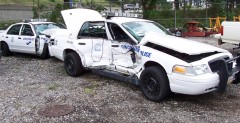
(11,37)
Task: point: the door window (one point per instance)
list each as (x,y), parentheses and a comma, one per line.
(93,30)
(14,30)
(118,34)
(27,30)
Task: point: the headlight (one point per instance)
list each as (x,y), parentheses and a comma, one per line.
(201,69)
(191,70)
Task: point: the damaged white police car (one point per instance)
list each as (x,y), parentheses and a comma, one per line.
(27,37)
(141,52)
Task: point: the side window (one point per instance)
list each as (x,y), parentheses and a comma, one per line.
(84,31)
(93,29)
(27,30)
(118,34)
(14,30)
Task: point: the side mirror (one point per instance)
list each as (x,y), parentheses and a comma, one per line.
(48,36)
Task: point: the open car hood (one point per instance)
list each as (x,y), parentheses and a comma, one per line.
(74,19)
(180,44)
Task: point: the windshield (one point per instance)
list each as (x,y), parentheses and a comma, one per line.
(138,29)
(41,27)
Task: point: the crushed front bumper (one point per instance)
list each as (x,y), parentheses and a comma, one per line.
(227,69)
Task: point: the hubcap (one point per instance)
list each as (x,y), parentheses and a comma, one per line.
(70,65)
(152,86)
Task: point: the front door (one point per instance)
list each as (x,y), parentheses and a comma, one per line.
(26,42)
(124,49)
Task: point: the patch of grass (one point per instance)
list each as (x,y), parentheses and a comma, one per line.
(88,90)
(17,105)
(91,88)
(53,86)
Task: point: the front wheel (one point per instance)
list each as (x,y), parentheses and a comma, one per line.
(73,64)
(45,52)
(37,44)
(154,84)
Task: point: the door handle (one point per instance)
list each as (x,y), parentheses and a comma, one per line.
(6,36)
(115,45)
(19,38)
(81,43)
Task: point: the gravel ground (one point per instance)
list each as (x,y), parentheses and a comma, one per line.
(29,84)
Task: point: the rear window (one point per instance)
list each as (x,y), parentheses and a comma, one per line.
(14,30)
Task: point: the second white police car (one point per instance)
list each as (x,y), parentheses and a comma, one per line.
(27,37)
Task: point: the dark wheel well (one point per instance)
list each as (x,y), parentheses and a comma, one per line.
(152,63)
(66,51)
(2,42)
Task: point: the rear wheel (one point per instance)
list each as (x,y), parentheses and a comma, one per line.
(154,84)
(73,64)
(5,49)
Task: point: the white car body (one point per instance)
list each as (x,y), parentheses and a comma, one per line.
(23,38)
(230,32)
(154,48)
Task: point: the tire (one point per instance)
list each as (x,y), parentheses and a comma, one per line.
(73,64)
(5,49)
(45,53)
(37,44)
(154,84)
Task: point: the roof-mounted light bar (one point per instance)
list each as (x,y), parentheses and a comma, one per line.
(108,15)
(35,20)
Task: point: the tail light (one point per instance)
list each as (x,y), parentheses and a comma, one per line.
(221,30)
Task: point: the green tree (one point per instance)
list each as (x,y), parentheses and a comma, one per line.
(37,10)
(217,8)
(148,6)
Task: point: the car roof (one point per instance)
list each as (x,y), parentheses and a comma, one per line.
(121,20)
(40,22)
(34,23)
